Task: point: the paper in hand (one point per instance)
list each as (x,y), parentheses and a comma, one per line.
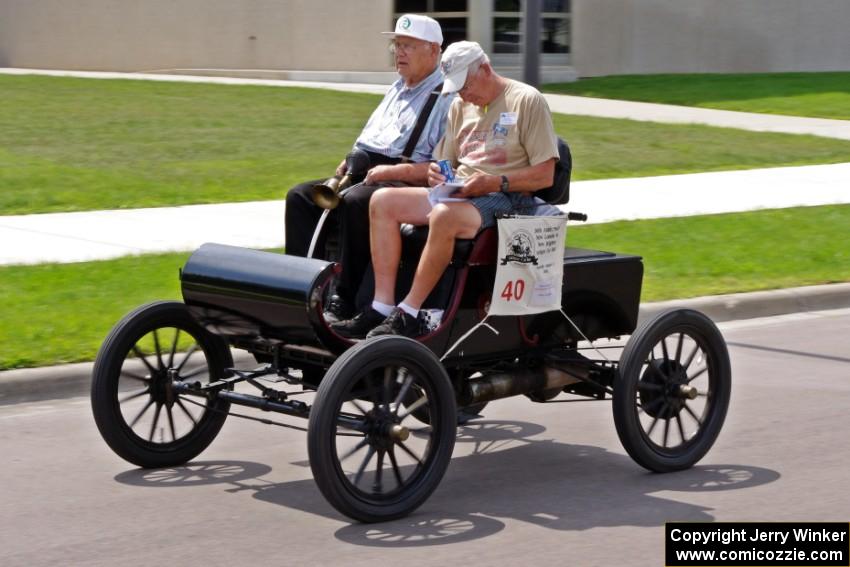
(446,192)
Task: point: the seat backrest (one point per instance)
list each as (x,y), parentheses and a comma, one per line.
(559,192)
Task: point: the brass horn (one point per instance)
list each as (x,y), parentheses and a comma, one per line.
(327,195)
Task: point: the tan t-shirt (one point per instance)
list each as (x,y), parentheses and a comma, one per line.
(515,131)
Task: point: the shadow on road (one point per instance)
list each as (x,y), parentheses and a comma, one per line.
(196,473)
(507,475)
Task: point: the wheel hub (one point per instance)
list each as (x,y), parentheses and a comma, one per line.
(162,390)
(384,429)
(664,389)
(399,433)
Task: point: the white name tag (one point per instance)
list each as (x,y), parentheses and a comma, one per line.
(507,118)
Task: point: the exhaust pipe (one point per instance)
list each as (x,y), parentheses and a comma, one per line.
(542,384)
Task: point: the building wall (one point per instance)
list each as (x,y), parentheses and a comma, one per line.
(612,37)
(143,35)
(340,40)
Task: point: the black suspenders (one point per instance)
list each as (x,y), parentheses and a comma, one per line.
(407,154)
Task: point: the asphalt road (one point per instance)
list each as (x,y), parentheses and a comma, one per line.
(529,484)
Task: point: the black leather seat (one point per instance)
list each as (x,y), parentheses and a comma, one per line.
(559,192)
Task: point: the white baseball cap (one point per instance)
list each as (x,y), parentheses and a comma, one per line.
(455,64)
(419,27)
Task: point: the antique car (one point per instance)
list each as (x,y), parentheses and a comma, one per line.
(383,412)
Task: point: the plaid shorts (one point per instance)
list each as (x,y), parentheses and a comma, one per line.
(490,205)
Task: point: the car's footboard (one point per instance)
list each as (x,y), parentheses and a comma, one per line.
(239,292)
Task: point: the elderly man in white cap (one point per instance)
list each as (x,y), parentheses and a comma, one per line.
(501,138)
(396,155)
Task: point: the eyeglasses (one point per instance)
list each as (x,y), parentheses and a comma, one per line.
(402,46)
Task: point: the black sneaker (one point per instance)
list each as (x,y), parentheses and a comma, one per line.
(398,323)
(361,324)
(338,309)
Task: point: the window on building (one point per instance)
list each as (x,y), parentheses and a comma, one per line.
(504,37)
(452,15)
(420,6)
(554,33)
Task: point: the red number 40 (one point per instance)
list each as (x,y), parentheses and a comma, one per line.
(514,290)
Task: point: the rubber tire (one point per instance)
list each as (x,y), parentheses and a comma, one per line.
(625,409)
(107,369)
(321,438)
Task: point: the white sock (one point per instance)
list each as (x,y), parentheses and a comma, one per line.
(382,308)
(408,309)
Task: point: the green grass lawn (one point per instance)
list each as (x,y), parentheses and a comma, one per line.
(822,95)
(61,312)
(82,144)
(605,148)
(730,253)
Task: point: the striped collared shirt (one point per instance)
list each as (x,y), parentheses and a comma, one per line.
(388,129)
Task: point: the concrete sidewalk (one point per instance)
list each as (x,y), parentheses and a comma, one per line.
(672,114)
(96,235)
(566,104)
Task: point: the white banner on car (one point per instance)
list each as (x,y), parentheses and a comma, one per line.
(530,267)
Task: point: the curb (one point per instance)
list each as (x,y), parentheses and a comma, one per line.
(752,305)
(69,380)
(59,382)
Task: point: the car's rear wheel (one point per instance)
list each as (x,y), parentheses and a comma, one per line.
(672,390)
